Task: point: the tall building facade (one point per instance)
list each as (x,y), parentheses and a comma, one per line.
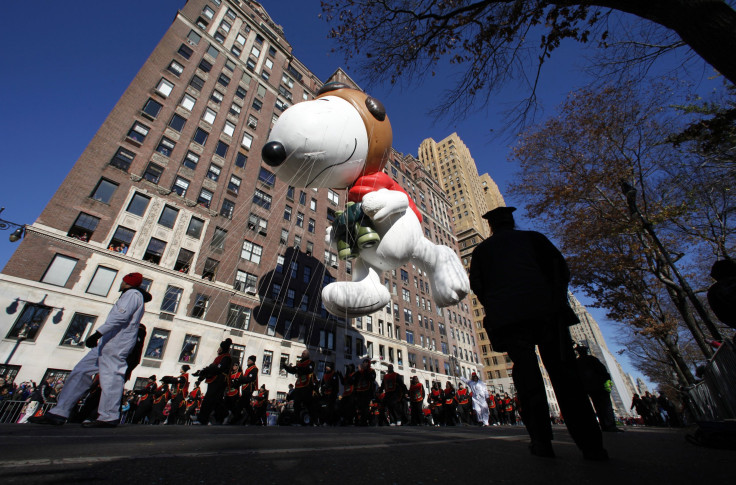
(172,186)
(471,195)
(588,333)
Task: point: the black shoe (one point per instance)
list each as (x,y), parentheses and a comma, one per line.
(596,455)
(48,418)
(99,424)
(542,448)
(612,429)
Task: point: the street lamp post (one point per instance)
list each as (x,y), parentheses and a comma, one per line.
(630,193)
(20,229)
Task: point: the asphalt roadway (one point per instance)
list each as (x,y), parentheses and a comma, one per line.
(137,454)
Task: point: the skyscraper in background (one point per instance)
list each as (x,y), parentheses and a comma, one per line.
(588,333)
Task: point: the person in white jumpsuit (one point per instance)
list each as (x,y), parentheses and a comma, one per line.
(116,337)
(480,394)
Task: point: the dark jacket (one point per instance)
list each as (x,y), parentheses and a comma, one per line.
(518,276)
(722,300)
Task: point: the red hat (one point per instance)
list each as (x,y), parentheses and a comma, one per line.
(133,279)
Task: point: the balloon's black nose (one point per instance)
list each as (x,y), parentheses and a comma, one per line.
(273,153)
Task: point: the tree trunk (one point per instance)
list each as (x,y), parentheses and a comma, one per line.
(707,26)
(680,300)
(678,361)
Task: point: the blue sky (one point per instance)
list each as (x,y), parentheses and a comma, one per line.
(67,64)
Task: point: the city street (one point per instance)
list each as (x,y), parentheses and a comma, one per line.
(294,455)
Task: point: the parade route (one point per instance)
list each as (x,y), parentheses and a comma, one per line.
(391,455)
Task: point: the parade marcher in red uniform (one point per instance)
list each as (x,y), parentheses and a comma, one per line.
(463,403)
(248,383)
(393,399)
(260,406)
(508,409)
(145,401)
(329,387)
(160,398)
(365,382)
(232,393)
(449,404)
(347,401)
(216,376)
(493,409)
(435,404)
(416,398)
(303,388)
(194,402)
(179,391)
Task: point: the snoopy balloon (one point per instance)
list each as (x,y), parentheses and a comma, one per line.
(342,139)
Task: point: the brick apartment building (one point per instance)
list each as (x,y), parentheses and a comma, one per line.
(172,186)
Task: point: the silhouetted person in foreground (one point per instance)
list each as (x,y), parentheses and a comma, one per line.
(598,385)
(722,294)
(521,279)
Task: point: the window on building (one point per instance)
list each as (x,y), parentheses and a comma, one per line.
(185,51)
(216,96)
(177,122)
(84,226)
(155,251)
(195,227)
(175,68)
(59,270)
(138,204)
(271,326)
(266,362)
(193,37)
(209,272)
(153,172)
(235,109)
(213,173)
(240,160)
(262,199)
(152,108)
(245,281)
(29,322)
(122,159)
(184,261)
(165,147)
(121,240)
(199,309)
(229,129)
(104,190)
(200,136)
(205,198)
(164,87)
(327,339)
(187,102)
(221,148)
(251,252)
(234,184)
(77,331)
(180,186)
(228,209)
(189,349)
(218,238)
(238,317)
(157,343)
(168,216)
(247,141)
(205,65)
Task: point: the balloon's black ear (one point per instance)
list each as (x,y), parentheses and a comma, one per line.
(375,108)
